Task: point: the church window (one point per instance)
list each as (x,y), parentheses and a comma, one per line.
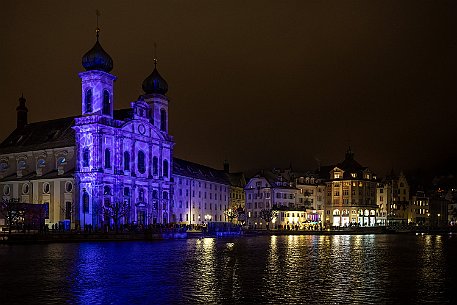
(3,166)
(85,202)
(165,195)
(88,101)
(22,164)
(155,166)
(155,195)
(25,189)
(141,195)
(126,191)
(126,161)
(106,190)
(106,103)
(107,158)
(165,168)
(163,120)
(6,190)
(141,164)
(68,187)
(41,163)
(86,157)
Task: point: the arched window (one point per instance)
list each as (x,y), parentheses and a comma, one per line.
(86,157)
(141,164)
(106,103)
(163,120)
(107,158)
(126,161)
(88,101)
(165,195)
(85,202)
(165,168)
(155,194)
(155,166)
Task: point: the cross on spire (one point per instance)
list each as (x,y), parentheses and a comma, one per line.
(97,29)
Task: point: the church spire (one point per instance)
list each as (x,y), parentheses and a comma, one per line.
(21,111)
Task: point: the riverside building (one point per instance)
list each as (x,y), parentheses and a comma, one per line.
(350,198)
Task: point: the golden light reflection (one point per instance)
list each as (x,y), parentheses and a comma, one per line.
(205,270)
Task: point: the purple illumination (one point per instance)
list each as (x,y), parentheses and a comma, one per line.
(116,155)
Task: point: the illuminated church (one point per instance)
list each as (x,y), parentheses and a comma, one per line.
(78,166)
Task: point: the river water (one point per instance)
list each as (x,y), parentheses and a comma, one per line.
(353,269)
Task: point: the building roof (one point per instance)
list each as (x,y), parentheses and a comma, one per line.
(33,176)
(197,171)
(349,165)
(237,179)
(49,134)
(97,58)
(277,179)
(40,135)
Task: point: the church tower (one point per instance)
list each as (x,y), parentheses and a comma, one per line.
(97,82)
(155,88)
(21,111)
(95,149)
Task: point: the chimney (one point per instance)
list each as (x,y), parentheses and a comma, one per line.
(21,111)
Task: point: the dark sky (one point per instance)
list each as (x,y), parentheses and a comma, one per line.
(261,83)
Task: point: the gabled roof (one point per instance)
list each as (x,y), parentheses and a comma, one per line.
(349,165)
(275,179)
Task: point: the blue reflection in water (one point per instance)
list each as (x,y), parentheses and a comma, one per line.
(365,269)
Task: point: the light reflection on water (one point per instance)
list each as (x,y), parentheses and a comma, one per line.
(364,269)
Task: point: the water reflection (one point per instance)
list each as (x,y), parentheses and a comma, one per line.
(365,269)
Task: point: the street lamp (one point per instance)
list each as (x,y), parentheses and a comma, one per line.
(438,224)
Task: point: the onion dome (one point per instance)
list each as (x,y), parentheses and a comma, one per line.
(154,83)
(97,59)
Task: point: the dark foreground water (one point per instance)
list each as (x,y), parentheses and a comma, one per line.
(370,269)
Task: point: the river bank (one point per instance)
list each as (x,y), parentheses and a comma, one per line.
(63,237)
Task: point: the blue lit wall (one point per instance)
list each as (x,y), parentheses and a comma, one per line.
(101,142)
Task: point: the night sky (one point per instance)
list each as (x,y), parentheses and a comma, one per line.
(260,83)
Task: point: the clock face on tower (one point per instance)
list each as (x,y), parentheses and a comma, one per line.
(141,129)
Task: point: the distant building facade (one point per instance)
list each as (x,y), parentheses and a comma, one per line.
(350,194)
(202,194)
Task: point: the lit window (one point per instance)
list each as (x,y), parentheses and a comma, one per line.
(336,175)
